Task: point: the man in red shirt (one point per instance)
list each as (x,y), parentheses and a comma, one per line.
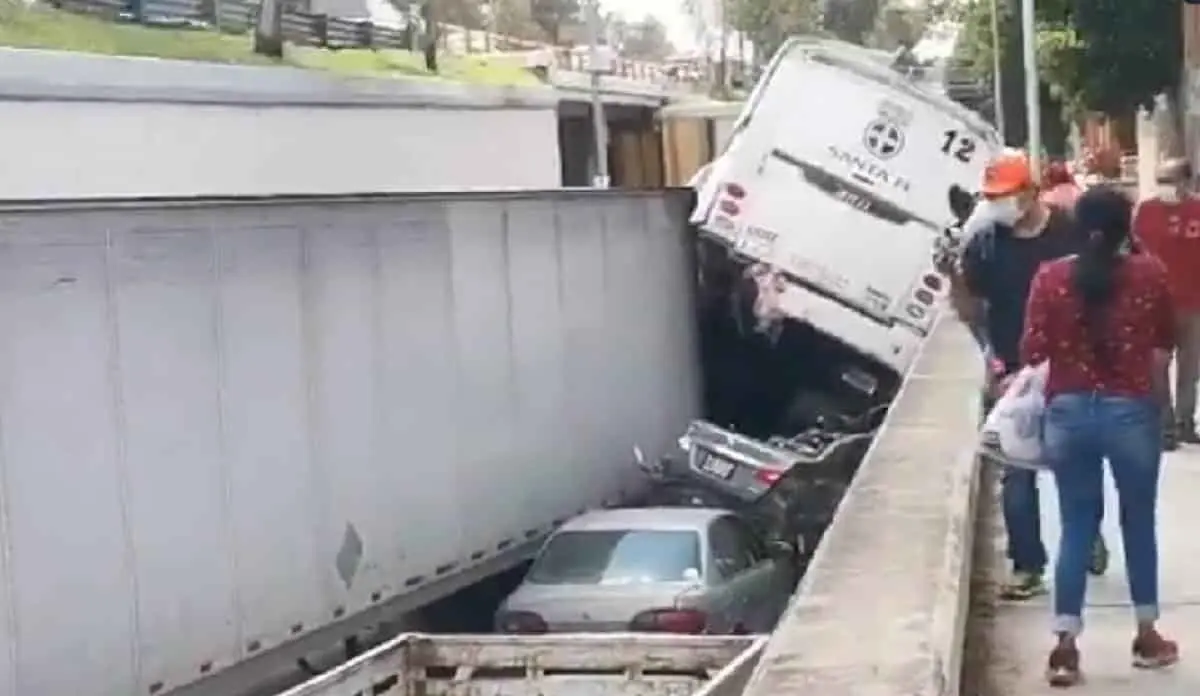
(1167,225)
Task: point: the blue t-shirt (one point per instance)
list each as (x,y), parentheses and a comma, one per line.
(998,268)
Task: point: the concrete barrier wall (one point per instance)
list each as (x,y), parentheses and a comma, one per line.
(883,607)
(80,126)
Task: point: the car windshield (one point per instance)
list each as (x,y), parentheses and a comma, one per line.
(618,556)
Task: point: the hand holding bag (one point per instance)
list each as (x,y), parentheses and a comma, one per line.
(1012,433)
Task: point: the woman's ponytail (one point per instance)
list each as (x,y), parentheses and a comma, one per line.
(1102,216)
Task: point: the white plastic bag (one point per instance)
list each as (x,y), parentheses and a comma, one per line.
(1012,432)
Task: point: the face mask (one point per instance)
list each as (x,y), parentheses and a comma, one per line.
(1005,211)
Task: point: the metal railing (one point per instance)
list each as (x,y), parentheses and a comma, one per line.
(310,29)
(238,16)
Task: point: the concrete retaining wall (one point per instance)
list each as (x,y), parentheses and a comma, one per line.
(81,126)
(883,607)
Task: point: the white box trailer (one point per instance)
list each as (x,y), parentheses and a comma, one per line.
(233,432)
(557,665)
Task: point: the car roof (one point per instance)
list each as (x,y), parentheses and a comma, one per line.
(681,518)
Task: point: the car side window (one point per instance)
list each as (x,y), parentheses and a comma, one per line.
(730,555)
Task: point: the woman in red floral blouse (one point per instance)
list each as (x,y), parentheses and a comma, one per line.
(1104,321)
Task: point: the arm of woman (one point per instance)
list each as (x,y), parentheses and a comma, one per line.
(1164,327)
(1035,340)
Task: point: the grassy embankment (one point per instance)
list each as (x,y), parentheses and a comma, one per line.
(43,27)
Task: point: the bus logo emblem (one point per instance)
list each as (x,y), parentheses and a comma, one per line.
(883,138)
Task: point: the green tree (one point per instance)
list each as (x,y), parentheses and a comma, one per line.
(768,23)
(463,13)
(1132,50)
(974,51)
(898,25)
(1107,56)
(514,18)
(268,29)
(646,39)
(553,15)
(851,20)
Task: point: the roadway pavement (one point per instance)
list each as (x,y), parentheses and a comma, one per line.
(1020,634)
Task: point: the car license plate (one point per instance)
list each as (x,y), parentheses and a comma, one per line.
(757,242)
(721,468)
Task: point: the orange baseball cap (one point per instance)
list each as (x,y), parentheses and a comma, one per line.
(1007,174)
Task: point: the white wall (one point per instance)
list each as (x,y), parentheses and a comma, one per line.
(67,150)
(86,126)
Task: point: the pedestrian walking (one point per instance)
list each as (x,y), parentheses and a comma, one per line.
(996,269)
(1167,225)
(1103,319)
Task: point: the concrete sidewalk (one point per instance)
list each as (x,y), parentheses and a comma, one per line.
(1021,635)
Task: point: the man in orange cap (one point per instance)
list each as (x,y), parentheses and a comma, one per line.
(1015,233)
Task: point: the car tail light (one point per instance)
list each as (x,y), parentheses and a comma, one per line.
(689,621)
(524,622)
(729,207)
(768,476)
(735,191)
(933,282)
(924,296)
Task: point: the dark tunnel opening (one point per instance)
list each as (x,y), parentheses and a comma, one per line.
(777,383)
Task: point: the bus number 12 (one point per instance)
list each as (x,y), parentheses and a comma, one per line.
(961,147)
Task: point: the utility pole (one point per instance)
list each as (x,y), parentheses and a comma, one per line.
(1033,107)
(997,90)
(723,84)
(490,27)
(599,127)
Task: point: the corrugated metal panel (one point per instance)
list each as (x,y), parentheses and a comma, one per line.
(224,424)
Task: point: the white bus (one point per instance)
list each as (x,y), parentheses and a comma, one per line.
(837,177)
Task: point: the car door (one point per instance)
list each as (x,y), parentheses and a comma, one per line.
(740,578)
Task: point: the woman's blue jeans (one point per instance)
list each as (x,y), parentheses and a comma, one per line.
(1081,431)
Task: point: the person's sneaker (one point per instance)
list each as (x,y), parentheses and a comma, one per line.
(1152,651)
(1186,433)
(1062,668)
(1023,586)
(1099,561)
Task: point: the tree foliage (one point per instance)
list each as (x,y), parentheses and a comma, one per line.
(768,23)
(975,51)
(851,20)
(553,15)
(898,25)
(645,39)
(1107,56)
(463,13)
(1132,50)
(514,18)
